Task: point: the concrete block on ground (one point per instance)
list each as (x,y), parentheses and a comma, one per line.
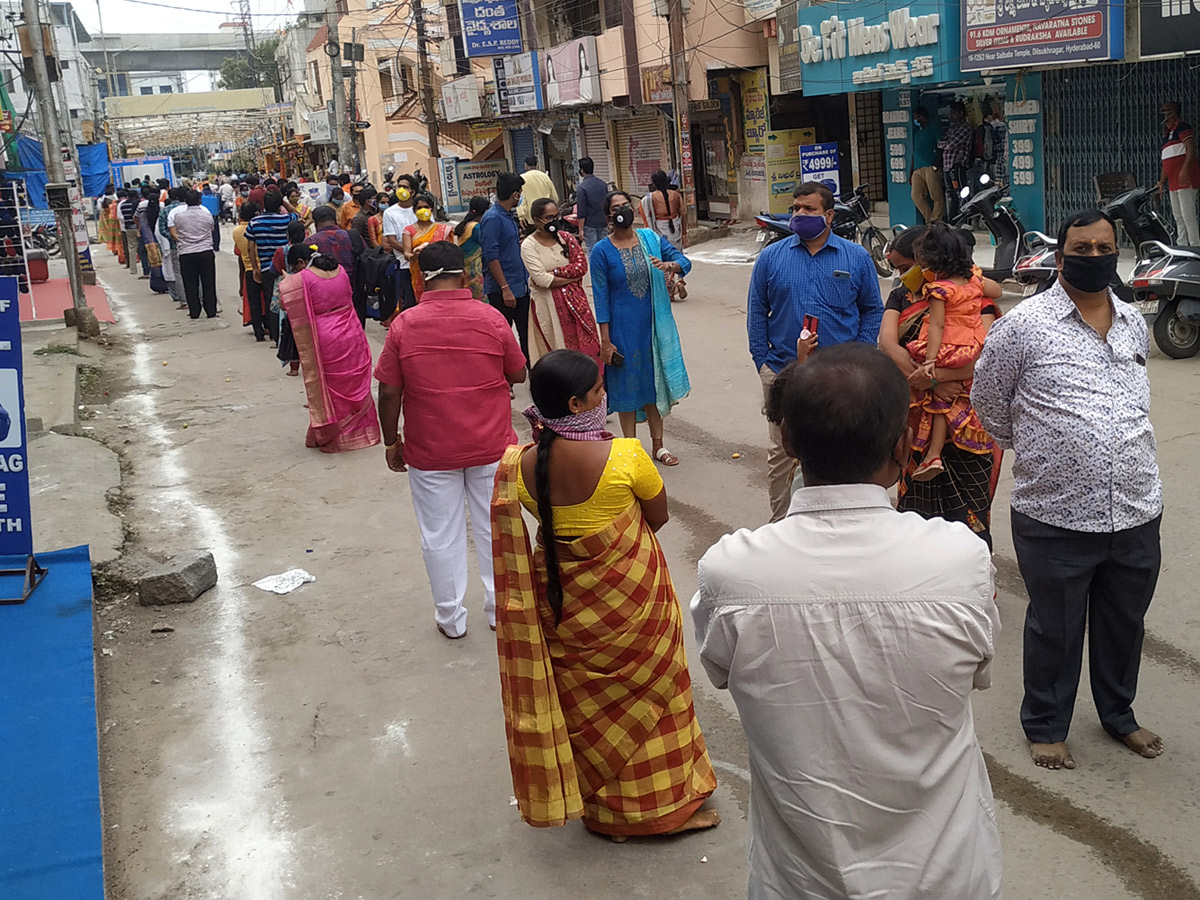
(181,579)
(69,481)
(126,572)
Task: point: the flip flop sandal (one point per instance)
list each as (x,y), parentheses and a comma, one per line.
(929,470)
(452,637)
(666,457)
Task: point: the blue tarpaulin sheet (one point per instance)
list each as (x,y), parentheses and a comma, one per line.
(50,832)
(93,168)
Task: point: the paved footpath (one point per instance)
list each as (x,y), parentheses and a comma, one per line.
(329,744)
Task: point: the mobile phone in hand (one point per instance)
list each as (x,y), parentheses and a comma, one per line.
(810,324)
(617,359)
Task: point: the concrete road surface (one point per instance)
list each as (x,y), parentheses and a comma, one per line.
(330,745)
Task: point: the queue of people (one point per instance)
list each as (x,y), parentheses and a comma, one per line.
(890,608)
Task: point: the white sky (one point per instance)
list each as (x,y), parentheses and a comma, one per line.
(124,16)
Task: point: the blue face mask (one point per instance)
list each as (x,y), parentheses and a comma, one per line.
(808,228)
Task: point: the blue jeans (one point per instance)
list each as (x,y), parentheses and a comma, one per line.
(593,236)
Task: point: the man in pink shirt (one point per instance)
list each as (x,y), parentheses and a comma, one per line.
(448,363)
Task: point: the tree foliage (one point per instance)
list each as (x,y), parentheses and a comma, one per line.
(246,70)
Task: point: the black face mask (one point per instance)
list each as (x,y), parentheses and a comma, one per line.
(623,216)
(1090,274)
(554,226)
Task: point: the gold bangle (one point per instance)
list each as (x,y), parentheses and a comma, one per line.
(392,446)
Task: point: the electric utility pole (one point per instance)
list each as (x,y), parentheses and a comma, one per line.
(346,140)
(52,144)
(679,81)
(425,77)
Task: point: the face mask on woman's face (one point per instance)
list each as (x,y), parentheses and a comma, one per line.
(424,214)
(622,216)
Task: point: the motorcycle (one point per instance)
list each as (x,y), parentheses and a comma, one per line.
(983,200)
(44,237)
(228,215)
(1166,287)
(847,218)
(1038,270)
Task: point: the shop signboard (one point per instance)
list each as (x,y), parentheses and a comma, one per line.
(1168,28)
(872,45)
(656,85)
(482,135)
(819,163)
(478,179)
(461,99)
(760,9)
(783,165)
(16,531)
(999,34)
(518,85)
(448,174)
(788,31)
(490,27)
(571,74)
(319,129)
(755,119)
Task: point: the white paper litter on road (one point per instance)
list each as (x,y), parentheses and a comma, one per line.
(285,582)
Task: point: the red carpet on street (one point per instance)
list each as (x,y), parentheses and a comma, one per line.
(47,301)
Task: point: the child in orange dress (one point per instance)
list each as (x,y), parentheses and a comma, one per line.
(951,337)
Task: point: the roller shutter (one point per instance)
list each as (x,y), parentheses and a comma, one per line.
(595,145)
(639,152)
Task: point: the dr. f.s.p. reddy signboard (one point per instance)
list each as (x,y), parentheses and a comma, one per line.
(1168,27)
(875,44)
(999,34)
(490,27)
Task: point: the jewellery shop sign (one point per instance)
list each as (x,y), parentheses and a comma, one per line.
(875,44)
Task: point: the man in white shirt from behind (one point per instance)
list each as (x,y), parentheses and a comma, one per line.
(850,636)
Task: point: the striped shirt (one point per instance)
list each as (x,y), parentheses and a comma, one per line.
(268,232)
(1174,154)
(837,284)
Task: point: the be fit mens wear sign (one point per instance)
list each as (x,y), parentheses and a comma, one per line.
(1169,27)
(887,43)
(999,34)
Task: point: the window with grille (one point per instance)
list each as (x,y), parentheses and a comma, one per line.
(868,118)
(385,80)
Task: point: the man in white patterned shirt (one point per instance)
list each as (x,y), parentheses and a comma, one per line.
(1062,381)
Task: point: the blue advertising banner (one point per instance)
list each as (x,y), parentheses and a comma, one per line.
(491,27)
(874,45)
(16,532)
(819,163)
(999,34)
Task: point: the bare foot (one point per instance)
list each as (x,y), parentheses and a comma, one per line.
(1144,743)
(1052,756)
(701,819)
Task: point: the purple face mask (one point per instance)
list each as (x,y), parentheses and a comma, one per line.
(808,228)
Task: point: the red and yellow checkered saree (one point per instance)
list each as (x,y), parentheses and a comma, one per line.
(598,710)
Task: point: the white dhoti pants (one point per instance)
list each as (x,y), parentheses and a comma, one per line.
(440,500)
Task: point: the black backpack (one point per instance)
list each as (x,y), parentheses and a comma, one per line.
(377,271)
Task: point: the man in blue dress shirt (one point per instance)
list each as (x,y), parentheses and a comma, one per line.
(505,280)
(813,273)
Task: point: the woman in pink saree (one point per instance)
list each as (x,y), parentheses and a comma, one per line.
(335,358)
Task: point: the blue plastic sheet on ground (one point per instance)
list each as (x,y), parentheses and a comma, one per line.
(50,831)
(93,167)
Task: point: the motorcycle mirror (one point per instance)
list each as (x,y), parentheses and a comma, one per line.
(965,193)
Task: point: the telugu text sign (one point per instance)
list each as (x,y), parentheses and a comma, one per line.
(491,28)
(999,34)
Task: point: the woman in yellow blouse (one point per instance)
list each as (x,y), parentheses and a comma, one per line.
(591,622)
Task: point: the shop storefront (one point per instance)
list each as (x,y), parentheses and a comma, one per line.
(911,53)
(640,149)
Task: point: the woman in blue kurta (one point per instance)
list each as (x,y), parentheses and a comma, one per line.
(633,309)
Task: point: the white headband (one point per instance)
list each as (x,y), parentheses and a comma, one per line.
(436,273)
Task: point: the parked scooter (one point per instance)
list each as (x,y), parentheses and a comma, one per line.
(983,199)
(848,218)
(1133,210)
(45,237)
(1166,288)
